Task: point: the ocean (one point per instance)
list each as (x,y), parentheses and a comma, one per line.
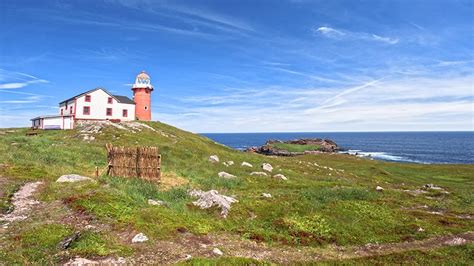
(412,147)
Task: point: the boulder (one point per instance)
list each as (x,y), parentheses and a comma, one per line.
(156,202)
(228,163)
(379,188)
(213,159)
(66,242)
(280,176)
(208,199)
(259,173)
(217,252)
(267,167)
(72,178)
(246,164)
(431,186)
(266,195)
(226,175)
(139,238)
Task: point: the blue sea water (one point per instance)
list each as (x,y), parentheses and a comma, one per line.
(415,147)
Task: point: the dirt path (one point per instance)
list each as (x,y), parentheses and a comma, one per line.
(22,202)
(186,246)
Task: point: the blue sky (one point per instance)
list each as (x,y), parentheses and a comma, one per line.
(248,66)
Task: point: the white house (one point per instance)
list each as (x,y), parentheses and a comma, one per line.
(96,104)
(99,104)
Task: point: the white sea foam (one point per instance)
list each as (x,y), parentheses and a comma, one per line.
(380,156)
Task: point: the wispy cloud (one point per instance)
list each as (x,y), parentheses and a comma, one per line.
(17,80)
(411,103)
(350,35)
(29,99)
(330,31)
(187,13)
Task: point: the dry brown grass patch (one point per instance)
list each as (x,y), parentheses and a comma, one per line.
(170,180)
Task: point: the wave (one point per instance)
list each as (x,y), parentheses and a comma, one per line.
(381,156)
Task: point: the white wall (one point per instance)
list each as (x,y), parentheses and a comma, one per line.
(68,122)
(68,108)
(49,122)
(98,107)
(57,122)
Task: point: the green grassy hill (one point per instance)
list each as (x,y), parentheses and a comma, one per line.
(328,200)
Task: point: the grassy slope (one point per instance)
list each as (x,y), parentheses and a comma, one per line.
(316,206)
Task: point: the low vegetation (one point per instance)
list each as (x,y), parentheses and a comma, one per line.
(328,199)
(295,147)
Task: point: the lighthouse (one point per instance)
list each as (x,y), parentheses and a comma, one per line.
(142,96)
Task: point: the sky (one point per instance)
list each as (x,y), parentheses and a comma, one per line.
(248,65)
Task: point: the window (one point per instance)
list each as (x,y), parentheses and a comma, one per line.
(146,107)
(124,112)
(62,111)
(109,112)
(70,109)
(88,98)
(86,110)
(109,100)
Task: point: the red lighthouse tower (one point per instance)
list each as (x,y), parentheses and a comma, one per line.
(142,96)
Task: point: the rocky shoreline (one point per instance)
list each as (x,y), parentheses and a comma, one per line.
(271,147)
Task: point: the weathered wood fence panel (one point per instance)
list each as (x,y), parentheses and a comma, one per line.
(142,162)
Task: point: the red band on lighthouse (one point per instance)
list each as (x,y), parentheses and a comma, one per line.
(142,89)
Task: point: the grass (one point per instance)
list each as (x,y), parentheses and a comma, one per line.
(295,147)
(315,207)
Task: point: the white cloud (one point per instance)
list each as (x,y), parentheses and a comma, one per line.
(384,39)
(415,103)
(17,80)
(350,35)
(29,99)
(329,31)
(18,85)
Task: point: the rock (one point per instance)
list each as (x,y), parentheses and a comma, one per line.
(65,243)
(213,159)
(266,195)
(267,167)
(188,257)
(259,173)
(210,198)
(228,163)
(420,229)
(72,178)
(280,176)
(14,144)
(225,175)
(246,164)
(379,188)
(431,186)
(156,202)
(217,252)
(139,238)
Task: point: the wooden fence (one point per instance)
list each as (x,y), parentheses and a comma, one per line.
(142,162)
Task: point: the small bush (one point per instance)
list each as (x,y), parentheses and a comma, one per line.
(314,225)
